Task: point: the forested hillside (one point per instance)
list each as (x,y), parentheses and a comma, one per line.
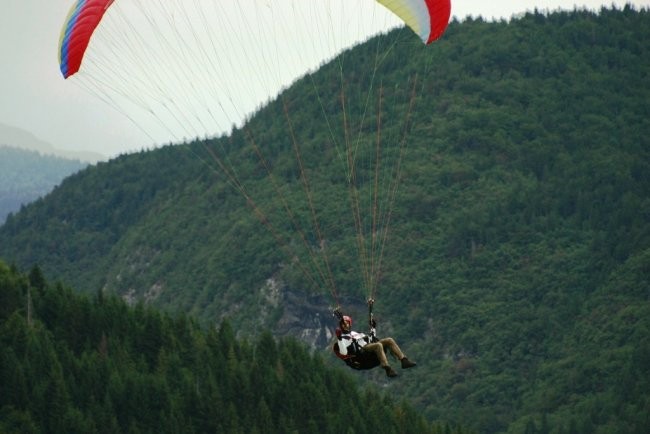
(516,271)
(72,364)
(27,175)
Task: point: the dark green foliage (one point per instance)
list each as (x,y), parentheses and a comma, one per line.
(516,272)
(137,370)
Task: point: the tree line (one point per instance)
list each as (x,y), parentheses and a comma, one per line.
(74,364)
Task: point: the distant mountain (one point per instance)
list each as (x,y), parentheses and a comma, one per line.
(516,270)
(27,175)
(19,138)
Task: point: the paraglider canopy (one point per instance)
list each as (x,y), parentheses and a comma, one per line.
(427,18)
(83,18)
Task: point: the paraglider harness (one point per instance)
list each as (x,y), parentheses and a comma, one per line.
(358,358)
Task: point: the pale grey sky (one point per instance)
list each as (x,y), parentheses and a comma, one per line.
(35,97)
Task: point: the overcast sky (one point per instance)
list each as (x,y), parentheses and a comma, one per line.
(34,96)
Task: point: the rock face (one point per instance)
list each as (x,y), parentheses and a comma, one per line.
(309,317)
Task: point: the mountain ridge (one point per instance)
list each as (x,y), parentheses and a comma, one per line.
(11,136)
(28,175)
